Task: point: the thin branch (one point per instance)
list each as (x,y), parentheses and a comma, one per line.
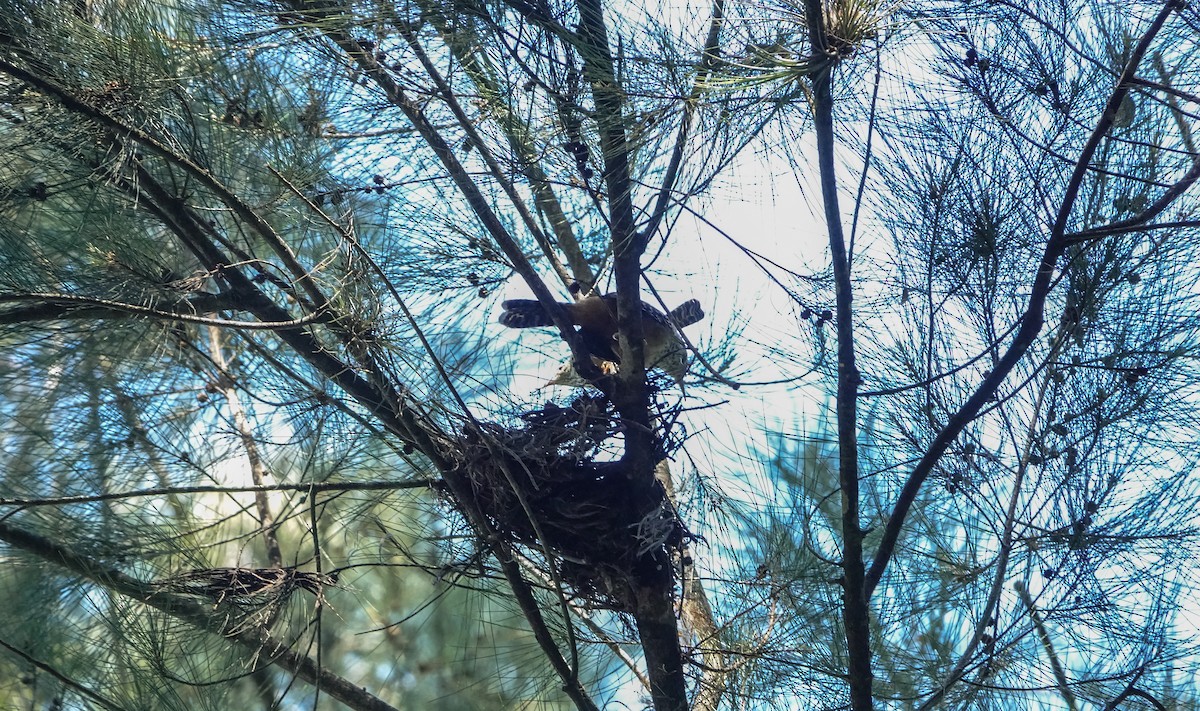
(340,486)
(1031,320)
(55,306)
(258,469)
(584,616)
(519,135)
(1138,221)
(1132,690)
(866,169)
(1060,675)
(983,353)
(197,614)
(480,205)
(1006,544)
(856,617)
(696,614)
(346,235)
(244,211)
(1166,89)
(687,341)
(380,398)
(708,62)
(1097,233)
(449,97)
(63,678)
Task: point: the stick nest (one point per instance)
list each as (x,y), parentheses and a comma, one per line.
(540,487)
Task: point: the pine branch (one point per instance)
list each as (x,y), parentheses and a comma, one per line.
(196,614)
(1033,317)
(856,612)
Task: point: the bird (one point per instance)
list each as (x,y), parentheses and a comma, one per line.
(596,317)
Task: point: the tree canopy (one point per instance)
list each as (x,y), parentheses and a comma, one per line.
(282,283)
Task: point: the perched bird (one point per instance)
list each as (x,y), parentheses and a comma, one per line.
(596,317)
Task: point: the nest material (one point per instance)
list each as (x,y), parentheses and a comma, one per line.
(253,597)
(585,512)
(245,584)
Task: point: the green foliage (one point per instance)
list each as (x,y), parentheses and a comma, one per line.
(263,445)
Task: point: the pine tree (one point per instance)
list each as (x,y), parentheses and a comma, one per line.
(265,443)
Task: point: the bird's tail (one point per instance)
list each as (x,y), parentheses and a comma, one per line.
(524,313)
(686,314)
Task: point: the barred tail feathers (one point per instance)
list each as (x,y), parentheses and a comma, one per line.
(686,314)
(524,313)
